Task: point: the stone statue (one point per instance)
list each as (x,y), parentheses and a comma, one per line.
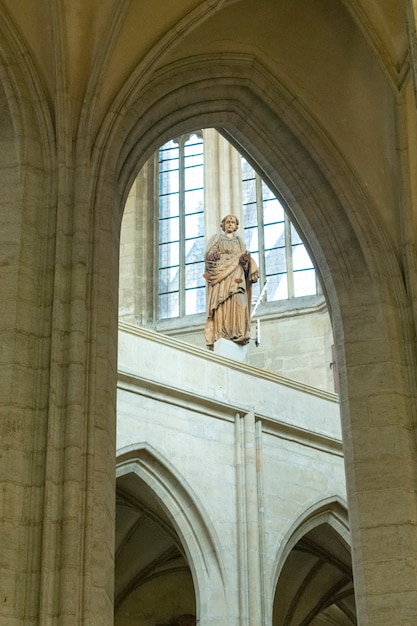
(230,272)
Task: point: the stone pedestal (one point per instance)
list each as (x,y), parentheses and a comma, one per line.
(230,349)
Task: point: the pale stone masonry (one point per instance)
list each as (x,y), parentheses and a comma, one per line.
(275,443)
(321,94)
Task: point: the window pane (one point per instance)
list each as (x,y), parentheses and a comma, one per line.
(193,154)
(168,305)
(194,250)
(193,145)
(274,235)
(195,301)
(277,288)
(275,261)
(255,257)
(169,158)
(250,215)
(194,275)
(168,279)
(251,239)
(194,225)
(169,182)
(249,191)
(194,201)
(256,290)
(194,177)
(247,170)
(169,205)
(295,238)
(193,160)
(169,254)
(305,283)
(273,211)
(169,164)
(169,147)
(181,228)
(300,258)
(266,192)
(169,230)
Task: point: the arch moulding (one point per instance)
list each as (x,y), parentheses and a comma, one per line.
(361,277)
(188,517)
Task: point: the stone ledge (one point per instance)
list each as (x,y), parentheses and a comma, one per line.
(209,355)
(200,404)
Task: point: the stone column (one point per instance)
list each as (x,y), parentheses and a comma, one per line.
(248,522)
(138,262)
(222,185)
(58,325)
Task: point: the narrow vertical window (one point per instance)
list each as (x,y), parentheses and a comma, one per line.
(270,237)
(181,289)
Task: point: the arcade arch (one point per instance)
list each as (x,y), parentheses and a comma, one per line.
(331,209)
(315,584)
(60,324)
(295,325)
(168,561)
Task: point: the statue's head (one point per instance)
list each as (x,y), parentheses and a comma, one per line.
(228,218)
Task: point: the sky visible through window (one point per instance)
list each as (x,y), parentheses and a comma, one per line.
(270,237)
(273,241)
(181,228)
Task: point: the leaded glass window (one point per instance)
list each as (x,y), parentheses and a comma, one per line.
(273,241)
(181,288)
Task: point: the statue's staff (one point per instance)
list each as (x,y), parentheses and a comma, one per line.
(261,295)
(258,321)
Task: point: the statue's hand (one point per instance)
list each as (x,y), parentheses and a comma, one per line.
(244,260)
(254,277)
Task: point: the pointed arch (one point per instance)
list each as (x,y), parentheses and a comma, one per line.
(187,515)
(297,159)
(313,572)
(331,511)
(361,275)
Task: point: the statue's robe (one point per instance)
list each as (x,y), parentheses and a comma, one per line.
(229,285)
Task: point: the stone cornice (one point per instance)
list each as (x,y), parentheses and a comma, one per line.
(208,406)
(203,353)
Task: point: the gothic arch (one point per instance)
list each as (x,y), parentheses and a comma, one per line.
(331,511)
(63,334)
(187,515)
(361,276)
(360,273)
(314,567)
(297,159)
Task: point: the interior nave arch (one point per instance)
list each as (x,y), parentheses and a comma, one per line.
(338,242)
(81,131)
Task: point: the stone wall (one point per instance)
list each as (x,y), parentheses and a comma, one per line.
(236,456)
(295,342)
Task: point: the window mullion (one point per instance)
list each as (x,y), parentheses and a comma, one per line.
(155,237)
(261,236)
(181,294)
(288,256)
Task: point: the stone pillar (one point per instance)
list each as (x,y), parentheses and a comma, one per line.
(138,266)
(58,325)
(222,185)
(379,451)
(248,522)
(26,221)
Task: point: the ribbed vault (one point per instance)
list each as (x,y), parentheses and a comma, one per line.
(316,586)
(147,550)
